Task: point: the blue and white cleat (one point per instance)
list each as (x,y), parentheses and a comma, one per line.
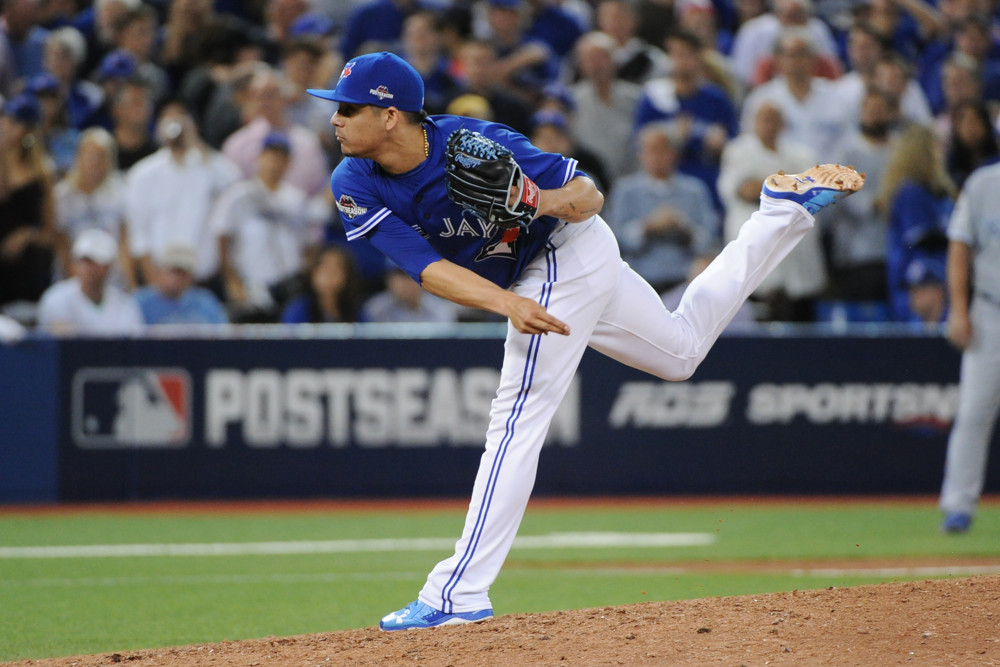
(814,188)
(417,615)
(956,523)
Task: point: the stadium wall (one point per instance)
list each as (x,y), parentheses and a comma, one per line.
(371,413)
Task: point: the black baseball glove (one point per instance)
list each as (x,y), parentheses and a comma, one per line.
(481,175)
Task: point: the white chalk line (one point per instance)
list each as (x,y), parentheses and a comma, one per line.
(333,578)
(553,541)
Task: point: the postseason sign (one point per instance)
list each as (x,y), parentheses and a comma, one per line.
(393,417)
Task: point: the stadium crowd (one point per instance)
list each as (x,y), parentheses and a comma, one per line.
(160,162)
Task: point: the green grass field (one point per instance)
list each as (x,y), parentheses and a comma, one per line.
(81,603)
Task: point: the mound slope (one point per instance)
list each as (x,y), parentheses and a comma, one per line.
(932,622)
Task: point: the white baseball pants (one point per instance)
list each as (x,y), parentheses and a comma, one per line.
(582,280)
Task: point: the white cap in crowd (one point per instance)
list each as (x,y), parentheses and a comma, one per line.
(96,245)
(178,256)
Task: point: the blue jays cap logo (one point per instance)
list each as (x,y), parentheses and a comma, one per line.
(347,70)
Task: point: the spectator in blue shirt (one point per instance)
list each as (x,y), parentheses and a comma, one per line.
(172,298)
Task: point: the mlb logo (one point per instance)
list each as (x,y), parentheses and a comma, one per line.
(119,408)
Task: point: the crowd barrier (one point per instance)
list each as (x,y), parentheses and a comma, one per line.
(379,411)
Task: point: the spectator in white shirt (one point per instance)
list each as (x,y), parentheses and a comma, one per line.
(814,114)
(756,39)
(170,195)
(263,229)
(86,305)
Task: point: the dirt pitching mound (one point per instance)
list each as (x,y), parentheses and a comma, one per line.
(934,622)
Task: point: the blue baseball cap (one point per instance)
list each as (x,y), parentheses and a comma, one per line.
(42,84)
(119,64)
(277,141)
(312,23)
(23,108)
(380,79)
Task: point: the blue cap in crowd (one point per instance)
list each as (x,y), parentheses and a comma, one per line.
(23,108)
(277,141)
(312,23)
(925,270)
(43,84)
(380,79)
(119,64)
(550,117)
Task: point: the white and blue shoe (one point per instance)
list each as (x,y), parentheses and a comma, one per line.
(814,188)
(417,615)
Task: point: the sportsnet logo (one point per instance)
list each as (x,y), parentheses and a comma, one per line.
(117,408)
(349,208)
(381,92)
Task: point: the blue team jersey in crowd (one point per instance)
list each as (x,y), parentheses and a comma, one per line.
(411,220)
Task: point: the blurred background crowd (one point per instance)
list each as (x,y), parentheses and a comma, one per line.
(160,162)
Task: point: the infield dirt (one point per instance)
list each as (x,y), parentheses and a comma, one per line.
(931,622)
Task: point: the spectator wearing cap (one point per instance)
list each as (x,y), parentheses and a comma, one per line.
(65,51)
(551,133)
(115,70)
(27,225)
(170,194)
(661,217)
(321,33)
(604,100)
(267,111)
(173,298)
(92,195)
(263,231)
(26,38)
(86,305)
(928,294)
(98,24)
(60,139)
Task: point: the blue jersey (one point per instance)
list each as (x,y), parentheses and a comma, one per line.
(411,220)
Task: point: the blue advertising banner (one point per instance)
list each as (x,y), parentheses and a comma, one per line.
(213,418)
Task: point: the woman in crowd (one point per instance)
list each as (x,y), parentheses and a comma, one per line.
(973,140)
(333,293)
(27,224)
(92,195)
(917,196)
